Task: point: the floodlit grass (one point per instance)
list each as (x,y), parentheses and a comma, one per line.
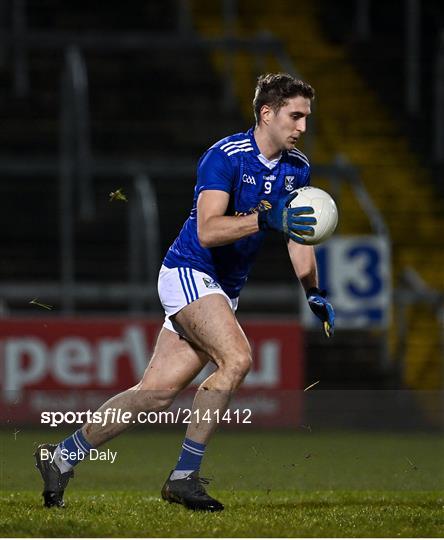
(272,484)
(248,513)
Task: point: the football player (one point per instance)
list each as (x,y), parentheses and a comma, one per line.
(243,186)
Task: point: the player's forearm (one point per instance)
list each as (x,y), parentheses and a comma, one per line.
(304,264)
(222,230)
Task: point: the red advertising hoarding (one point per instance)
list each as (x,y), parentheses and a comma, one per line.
(76,364)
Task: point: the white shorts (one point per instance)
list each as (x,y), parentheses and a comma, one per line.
(180,286)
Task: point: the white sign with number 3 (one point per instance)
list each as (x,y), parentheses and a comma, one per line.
(356,272)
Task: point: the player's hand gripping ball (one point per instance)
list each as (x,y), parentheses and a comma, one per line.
(324,211)
(294,222)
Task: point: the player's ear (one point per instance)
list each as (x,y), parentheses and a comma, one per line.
(266,112)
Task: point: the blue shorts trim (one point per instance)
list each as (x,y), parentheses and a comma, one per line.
(194,283)
(188,284)
(183,285)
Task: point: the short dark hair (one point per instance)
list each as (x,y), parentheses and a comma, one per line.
(274,89)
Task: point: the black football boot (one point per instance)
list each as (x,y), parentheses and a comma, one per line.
(191,493)
(54,481)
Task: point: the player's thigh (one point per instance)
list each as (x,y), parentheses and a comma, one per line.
(211,325)
(174,364)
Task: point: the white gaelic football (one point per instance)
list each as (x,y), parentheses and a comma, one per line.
(325,212)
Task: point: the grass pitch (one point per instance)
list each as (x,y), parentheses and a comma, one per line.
(285,484)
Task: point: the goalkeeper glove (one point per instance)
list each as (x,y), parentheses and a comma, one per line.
(322,309)
(291,221)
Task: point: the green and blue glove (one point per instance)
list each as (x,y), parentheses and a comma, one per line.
(291,221)
(322,309)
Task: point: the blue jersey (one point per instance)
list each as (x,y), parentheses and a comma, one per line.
(235,165)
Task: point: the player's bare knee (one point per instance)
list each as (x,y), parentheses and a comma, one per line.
(237,369)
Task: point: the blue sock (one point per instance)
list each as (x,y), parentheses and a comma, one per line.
(72,450)
(191,456)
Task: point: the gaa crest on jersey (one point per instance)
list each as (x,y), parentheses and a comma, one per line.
(210,283)
(249,179)
(289,183)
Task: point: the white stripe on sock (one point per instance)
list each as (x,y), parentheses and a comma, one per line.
(196,453)
(79,444)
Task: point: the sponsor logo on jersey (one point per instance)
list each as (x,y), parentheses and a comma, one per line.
(289,183)
(263,206)
(248,179)
(270,177)
(210,283)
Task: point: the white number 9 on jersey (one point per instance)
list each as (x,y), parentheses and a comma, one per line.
(267,187)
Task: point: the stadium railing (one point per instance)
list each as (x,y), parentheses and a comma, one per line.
(143,218)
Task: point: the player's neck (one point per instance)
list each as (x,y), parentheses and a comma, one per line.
(265,145)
